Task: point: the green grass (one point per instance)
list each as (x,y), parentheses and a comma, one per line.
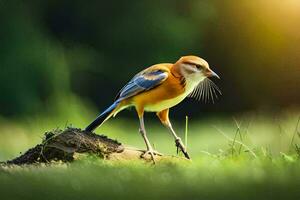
(204,178)
(246,157)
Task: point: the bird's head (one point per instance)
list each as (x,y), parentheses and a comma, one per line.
(194,67)
(197,72)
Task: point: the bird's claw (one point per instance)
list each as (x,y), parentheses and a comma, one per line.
(152,154)
(182,148)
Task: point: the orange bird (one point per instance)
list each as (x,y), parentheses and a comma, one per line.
(160,87)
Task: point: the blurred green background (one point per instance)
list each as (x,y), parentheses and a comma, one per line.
(51,49)
(63,62)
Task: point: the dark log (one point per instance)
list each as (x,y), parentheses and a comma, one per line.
(64,145)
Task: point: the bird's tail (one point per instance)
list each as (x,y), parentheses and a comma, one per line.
(105,115)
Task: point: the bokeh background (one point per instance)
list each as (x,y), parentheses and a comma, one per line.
(63,62)
(51,49)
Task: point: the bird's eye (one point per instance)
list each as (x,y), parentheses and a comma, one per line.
(199,66)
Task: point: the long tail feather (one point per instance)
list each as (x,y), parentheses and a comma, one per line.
(102,117)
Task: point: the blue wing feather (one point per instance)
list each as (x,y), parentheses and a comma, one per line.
(142,82)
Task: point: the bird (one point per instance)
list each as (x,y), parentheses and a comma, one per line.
(159,88)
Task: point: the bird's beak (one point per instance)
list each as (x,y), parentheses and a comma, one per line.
(211,73)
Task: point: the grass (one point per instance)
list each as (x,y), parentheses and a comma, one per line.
(251,156)
(206,178)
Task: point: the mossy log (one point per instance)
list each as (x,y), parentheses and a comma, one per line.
(65,145)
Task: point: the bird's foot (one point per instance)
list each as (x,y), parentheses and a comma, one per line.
(152,154)
(181,147)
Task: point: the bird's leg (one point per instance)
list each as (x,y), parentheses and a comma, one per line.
(148,144)
(164,118)
(178,142)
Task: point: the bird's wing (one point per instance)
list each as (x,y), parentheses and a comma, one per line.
(141,82)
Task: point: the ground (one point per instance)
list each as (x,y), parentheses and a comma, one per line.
(243,157)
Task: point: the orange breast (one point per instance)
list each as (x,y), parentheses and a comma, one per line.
(171,88)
